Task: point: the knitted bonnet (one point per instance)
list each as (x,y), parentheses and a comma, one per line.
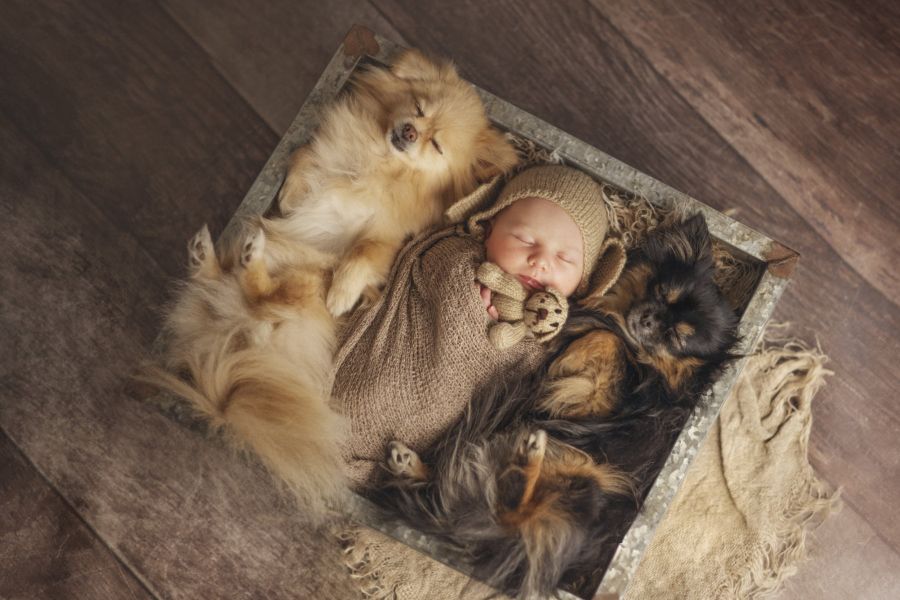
(576,193)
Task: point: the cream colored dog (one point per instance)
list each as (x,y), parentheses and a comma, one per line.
(251,333)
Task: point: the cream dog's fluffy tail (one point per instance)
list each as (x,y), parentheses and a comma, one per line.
(261,402)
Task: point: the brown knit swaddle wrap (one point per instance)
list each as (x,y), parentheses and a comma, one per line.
(407,366)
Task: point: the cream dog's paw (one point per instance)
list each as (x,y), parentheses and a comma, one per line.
(404,462)
(201,252)
(253,248)
(342,295)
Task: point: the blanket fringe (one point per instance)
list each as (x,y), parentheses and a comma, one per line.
(792,373)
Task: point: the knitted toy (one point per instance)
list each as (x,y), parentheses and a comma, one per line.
(540,315)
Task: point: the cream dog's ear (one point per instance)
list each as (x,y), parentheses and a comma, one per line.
(412,64)
(494,155)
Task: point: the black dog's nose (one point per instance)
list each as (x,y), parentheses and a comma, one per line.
(542,314)
(409,133)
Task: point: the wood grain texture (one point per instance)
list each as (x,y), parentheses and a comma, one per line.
(572,68)
(85,190)
(807,92)
(273,53)
(188,515)
(117,96)
(46,550)
(847,559)
(125,126)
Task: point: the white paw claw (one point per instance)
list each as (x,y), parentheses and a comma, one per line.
(536,443)
(253,247)
(200,248)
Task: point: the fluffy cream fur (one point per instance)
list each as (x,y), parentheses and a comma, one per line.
(256,348)
(251,335)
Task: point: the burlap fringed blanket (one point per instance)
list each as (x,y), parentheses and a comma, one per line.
(736,529)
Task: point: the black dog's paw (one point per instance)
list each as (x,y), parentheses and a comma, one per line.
(404,462)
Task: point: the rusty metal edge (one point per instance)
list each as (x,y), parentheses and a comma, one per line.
(781,260)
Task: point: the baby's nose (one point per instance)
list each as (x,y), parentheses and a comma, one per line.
(538,261)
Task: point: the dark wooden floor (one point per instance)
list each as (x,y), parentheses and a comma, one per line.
(125,125)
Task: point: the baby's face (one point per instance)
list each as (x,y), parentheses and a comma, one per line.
(538,242)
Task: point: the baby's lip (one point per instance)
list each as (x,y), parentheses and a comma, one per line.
(530,282)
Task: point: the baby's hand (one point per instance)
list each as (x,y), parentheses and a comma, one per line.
(486,299)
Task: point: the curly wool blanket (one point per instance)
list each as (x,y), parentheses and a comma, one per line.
(406,367)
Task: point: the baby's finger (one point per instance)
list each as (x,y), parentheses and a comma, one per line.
(486,296)
(492,311)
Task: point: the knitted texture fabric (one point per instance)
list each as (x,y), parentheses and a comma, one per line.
(579,195)
(406,367)
(574,191)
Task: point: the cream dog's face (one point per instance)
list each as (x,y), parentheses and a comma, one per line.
(436,123)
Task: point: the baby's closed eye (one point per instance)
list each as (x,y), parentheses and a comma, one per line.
(524,238)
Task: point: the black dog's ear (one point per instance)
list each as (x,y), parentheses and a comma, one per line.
(686,242)
(697,233)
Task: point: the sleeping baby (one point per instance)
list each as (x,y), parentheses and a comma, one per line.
(467,305)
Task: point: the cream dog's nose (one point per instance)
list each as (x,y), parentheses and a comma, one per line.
(409,133)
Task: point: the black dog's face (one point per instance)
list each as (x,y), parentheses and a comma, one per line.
(681,311)
(666,301)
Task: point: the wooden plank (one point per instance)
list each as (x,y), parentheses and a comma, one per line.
(274,53)
(846,559)
(573,69)
(189,516)
(122,100)
(46,550)
(807,92)
(137,119)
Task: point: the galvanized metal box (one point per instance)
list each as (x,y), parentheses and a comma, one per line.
(774,264)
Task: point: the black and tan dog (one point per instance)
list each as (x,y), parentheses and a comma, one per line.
(524,485)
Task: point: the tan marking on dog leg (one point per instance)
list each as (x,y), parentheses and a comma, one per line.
(254,275)
(675,370)
(534,449)
(568,462)
(585,380)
